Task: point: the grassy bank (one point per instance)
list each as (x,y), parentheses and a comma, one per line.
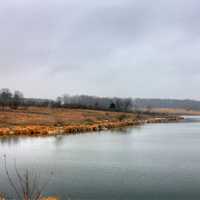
(176,111)
(46,121)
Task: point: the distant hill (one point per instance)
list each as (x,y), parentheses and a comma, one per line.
(167,103)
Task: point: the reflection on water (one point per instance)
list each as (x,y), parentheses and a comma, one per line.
(125,130)
(9,140)
(190,119)
(59,138)
(154,161)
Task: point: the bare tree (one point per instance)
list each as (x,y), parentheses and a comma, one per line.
(26,187)
(93,102)
(5,97)
(17,99)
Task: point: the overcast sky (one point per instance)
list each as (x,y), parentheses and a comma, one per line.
(123,48)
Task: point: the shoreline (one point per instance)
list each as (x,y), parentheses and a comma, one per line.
(42,130)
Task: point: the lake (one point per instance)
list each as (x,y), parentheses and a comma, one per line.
(150,162)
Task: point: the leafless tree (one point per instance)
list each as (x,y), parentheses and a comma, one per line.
(17,99)
(26,187)
(93,102)
(5,97)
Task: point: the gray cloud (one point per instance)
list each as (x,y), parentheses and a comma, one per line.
(109,48)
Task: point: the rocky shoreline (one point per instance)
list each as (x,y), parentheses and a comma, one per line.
(39,130)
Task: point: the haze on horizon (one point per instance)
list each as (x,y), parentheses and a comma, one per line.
(108,48)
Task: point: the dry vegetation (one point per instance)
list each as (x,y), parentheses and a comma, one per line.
(46,121)
(26,186)
(176,111)
(56,116)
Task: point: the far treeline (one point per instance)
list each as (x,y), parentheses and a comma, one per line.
(16,99)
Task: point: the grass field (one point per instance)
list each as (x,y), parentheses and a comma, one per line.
(52,121)
(57,116)
(176,111)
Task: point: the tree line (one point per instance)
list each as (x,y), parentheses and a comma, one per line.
(9,99)
(16,99)
(93,102)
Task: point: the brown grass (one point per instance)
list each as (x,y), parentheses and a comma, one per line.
(46,121)
(56,116)
(176,111)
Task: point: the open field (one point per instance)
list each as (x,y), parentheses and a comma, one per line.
(176,111)
(46,121)
(57,116)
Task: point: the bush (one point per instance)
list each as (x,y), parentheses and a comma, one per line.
(122,117)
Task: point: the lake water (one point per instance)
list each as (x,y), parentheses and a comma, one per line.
(150,162)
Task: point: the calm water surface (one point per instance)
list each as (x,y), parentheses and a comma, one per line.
(151,162)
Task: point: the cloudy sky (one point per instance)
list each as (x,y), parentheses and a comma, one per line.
(126,48)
